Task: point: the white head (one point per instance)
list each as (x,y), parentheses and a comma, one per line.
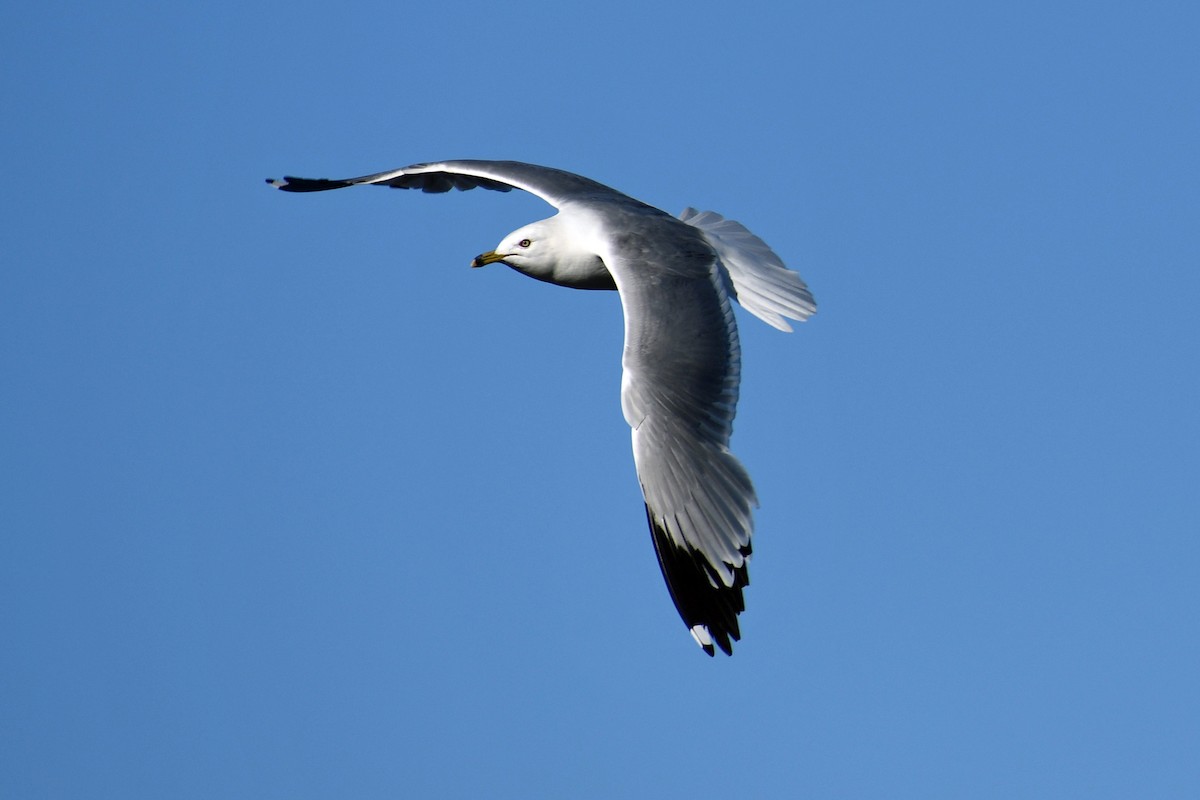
(545,250)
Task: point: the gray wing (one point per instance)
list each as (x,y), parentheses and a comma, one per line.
(679,390)
(552,185)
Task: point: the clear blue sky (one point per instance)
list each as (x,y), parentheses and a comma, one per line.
(294,504)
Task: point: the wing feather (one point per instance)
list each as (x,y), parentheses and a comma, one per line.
(555,186)
(682,365)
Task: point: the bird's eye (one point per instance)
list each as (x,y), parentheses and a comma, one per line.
(524,243)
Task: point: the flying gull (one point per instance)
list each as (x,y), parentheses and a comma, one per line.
(681,362)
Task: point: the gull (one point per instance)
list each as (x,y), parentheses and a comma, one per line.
(681,364)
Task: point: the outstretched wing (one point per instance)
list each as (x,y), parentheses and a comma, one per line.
(552,185)
(679,391)
(762,284)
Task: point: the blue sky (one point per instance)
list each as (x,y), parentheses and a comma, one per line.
(294,504)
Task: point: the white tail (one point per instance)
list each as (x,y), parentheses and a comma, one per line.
(760,281)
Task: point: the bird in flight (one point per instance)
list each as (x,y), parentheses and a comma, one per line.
(681,363)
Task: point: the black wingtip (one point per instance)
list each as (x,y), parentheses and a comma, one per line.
(690,582)
(291,184)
